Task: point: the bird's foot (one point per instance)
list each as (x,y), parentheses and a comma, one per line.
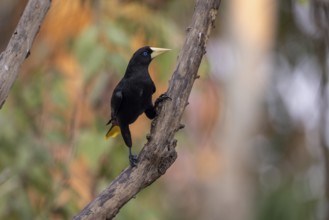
(161,99)
(133,160)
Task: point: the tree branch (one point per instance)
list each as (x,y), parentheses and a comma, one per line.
(19,46)
(159,152)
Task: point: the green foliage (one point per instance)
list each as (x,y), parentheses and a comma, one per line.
(90,53)
(287,202)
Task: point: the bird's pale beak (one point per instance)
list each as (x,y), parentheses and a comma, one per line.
(157,51)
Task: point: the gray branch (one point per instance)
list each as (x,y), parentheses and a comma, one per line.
(159,152)
(19,46)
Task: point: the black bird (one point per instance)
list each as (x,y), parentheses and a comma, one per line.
(133,96)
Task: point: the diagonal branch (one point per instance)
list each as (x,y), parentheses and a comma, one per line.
(159,152)
(19,46)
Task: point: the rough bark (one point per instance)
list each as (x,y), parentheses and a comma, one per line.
(159,153)
(19,46)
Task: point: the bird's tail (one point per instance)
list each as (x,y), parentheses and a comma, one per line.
(113,131)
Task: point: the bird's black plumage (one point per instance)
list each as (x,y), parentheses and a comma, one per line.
(133,95)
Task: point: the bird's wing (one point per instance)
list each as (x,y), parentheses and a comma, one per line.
(115,105)
(116,102)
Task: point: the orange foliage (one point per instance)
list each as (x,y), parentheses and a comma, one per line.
(65,19)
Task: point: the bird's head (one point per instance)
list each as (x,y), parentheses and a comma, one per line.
(145,54)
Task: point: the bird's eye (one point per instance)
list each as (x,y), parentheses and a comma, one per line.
(145,54)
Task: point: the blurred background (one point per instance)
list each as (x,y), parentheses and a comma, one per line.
(255,143)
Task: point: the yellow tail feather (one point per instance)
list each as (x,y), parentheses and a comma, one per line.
(113,132)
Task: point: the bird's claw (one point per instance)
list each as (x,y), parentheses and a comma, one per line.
(161,99)
(133,160)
